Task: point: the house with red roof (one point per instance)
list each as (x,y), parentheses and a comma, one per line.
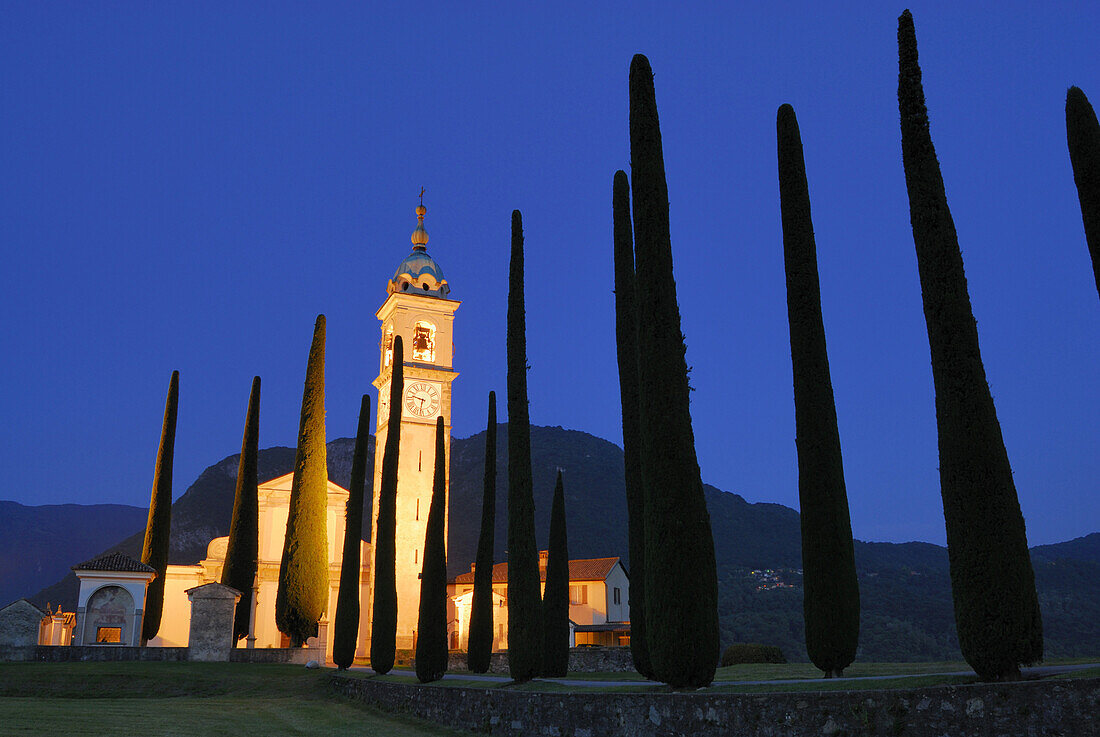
(598,609)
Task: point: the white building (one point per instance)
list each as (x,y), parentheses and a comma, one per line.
(598,610)
(274,505)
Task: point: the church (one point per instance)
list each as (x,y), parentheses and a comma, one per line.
(419,309)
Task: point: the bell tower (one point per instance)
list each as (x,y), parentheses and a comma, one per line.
(419,309)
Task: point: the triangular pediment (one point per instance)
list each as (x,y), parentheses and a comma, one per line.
(286,481)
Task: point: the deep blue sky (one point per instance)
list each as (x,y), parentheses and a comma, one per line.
(187,185)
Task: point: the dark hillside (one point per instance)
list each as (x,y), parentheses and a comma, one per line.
(905,589)
(39,544)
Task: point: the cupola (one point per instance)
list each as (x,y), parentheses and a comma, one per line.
(419,273)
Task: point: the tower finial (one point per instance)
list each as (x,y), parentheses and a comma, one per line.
(420,236)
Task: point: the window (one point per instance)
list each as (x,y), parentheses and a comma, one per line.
(108,635)
(418,514)
(618,596)
(423,341)
(387,341)
(416,556)
(578,595)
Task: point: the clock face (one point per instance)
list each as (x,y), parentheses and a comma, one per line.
(422,399)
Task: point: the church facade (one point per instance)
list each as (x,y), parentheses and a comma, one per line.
(274,506)
(417,308)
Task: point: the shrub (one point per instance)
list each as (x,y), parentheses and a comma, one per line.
(750,652)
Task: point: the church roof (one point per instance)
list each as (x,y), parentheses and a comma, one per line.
(417,265)
(585,569)
(114,562)
(286,483)
(419,273)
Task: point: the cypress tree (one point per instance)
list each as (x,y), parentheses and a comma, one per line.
(480,646)
(1083,136)
(524,604)
(346,624)
(154,551)
(681,588)
(830,601)
(992,582)
(431,623)
(244,528)
(383,629)
(302,596)
(555,597)
(626,343)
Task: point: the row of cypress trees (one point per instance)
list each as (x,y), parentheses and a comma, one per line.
(302,593)
(997,611)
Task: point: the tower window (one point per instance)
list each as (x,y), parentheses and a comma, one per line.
(387,341)
(416,556)
(418,514)
(423,341)
(424,286)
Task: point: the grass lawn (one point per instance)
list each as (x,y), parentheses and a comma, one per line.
(153,699)
(910,675)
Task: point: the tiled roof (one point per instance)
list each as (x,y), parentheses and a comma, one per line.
(585,569)
(114,562)
(607,627)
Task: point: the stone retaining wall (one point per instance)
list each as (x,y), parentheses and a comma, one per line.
(581,660)
(1067,708)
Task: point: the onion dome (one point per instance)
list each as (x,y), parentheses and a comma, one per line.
(419,273)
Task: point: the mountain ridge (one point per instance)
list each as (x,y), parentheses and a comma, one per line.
(905,587)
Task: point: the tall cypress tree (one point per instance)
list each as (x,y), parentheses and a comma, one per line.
(302,596)
(346,624)
(555,597)
(480,646)
(681,588)
(154,551)
(383,629)
(431,623)
(992,582)
(1083,136)
(524,603)
(830,600)
(244,528)
(626,343)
